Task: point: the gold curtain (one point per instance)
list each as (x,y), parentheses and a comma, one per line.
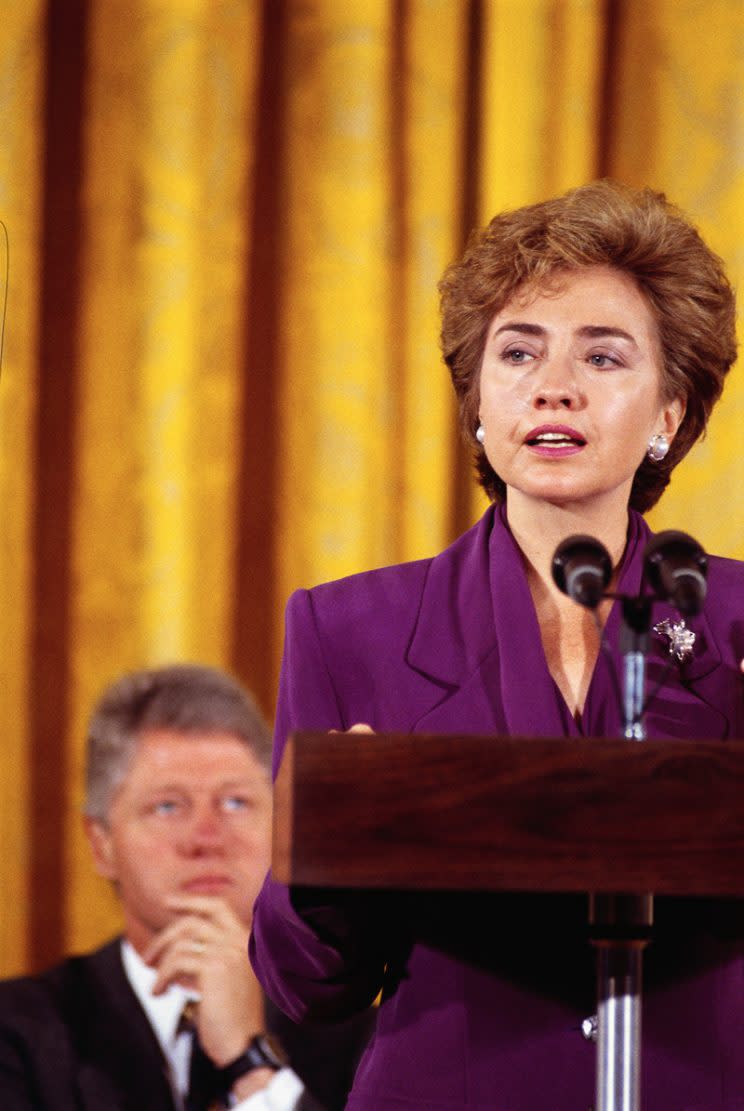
(220,377)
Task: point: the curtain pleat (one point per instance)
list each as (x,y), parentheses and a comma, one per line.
(22,57)
(221,377)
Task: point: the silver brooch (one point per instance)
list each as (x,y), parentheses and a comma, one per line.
(681,639)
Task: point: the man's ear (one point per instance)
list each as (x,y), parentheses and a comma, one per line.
(101,844)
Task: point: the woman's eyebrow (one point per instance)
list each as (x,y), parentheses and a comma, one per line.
(521,326)
(589,331)
(592,331)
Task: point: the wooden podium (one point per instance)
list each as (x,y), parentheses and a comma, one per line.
(606,817)
(484,813)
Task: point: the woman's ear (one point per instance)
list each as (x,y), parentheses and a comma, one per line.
(673,413)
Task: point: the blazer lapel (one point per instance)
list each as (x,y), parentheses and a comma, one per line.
(453,632)
(120,1058)
(477,637)
(453,641)
(472,707)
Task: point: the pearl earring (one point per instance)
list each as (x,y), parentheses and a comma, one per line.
(658,446)
(480,434)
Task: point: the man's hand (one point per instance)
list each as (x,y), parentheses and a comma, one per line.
(205,948)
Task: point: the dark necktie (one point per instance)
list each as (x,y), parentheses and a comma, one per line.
(205,1090)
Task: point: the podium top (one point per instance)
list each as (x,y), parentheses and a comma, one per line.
(523,814)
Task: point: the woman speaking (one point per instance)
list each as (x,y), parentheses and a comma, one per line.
(588,338)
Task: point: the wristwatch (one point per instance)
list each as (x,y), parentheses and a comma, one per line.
(262,1052)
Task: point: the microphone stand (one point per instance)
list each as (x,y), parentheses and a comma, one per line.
(634,641)
(620,925)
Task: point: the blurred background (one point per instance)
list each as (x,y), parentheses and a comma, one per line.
(221,377)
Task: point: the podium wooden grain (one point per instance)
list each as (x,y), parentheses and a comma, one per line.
(487,813)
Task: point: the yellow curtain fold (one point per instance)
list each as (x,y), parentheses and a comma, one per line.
(21,111)
(336,406)
(431,91)
(541,89)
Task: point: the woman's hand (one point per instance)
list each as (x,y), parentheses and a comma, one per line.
(362,727)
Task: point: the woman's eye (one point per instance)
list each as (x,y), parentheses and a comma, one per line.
(518,355)
(601,359)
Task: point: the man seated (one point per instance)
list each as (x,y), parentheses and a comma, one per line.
(170,1015)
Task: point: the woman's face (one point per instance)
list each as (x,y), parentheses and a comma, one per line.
(571,389)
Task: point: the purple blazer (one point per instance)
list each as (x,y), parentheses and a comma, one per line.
(484,995)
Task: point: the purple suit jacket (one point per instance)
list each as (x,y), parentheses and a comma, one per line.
(484,995)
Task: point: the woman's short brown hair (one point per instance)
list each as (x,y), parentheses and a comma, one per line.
(601,224)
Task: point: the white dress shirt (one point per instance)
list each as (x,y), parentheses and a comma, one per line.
(283,1091)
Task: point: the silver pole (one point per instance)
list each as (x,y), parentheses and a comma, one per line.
(620,926)
(634,692)
(619,1029)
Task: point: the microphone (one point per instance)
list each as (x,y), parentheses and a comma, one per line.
(582,568)
(676,567)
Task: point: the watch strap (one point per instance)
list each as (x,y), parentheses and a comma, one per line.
(262,1052)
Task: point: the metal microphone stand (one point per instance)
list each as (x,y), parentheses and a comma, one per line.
(620,925)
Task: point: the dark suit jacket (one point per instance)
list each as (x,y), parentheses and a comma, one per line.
(484,995)
(76,1039)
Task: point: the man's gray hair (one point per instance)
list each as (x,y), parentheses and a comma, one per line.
(187,698)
